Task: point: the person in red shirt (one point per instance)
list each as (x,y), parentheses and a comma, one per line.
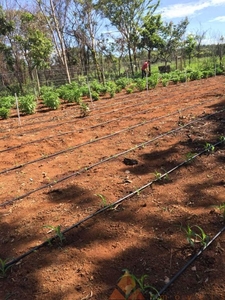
(144,68)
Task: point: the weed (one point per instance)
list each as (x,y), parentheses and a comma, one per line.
(57,230)
(3,267)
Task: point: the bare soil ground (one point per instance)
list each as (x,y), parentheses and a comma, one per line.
(60,169)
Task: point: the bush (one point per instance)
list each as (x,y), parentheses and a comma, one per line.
(140,84)
(195,75)
(95,96)
(51,99)
(165,81)
(4,112)
(27,104)
(7,101)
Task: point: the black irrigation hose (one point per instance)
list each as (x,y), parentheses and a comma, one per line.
(51,126)
(80,129)
(103,161)
(110,206)
(101,138)
(189,263)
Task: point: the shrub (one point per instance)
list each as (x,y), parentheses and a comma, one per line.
(7,101)
(195,75)
(165,81)
(141,84)
(95,96)
(27,104)
(51,99)
(4,112)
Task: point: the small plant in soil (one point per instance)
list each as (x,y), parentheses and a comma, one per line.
(143,286)
(3,267)
(197,236)
(57,230)
(103,200)
(190,156)
(84,110)
(222,209)
(209,147)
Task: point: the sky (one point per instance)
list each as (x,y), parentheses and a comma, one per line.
(203,15)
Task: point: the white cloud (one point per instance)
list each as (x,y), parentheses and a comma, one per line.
(218,19)
(181,10)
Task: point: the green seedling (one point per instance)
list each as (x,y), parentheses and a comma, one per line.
(103,200)
(84,110)
(222,138)
(221,208)
(190,156)
(157,175)
(194,237)
(209,147)
(144,287)
(3,267)
(57,230)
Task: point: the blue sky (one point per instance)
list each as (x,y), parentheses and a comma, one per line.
(203,15)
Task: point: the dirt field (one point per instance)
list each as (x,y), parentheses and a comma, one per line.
(99,177)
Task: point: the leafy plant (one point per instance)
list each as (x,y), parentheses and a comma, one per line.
(27,104)
(4,112)
(194,237)
(95,96)
(3,267)
(144,287)
(221,207)
(209,147)
(157,175)
(190,156)
(165,81)
(57,230)
(84,109)
(51,99)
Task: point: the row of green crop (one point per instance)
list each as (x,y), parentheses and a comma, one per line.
(52,97)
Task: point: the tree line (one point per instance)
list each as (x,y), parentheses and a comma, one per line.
(87,36)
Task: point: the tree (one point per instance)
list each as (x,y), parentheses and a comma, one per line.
(127,17)
(150,38)
(86,23)
(54,13)
(190,46)
(171,35)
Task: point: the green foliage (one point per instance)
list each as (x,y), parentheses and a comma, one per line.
(70,93)
(84,109)
(95,96)
(165,81)
(197,236)
(123,82)
(103,200)
(3,267)
(4,112)
(140,84)
(130,88)
(57,230)
(27,104)
(209,147)
(111,88)
(7,101)
(195,75)
(221,207)
(98,87)
(51,99)
(190,156)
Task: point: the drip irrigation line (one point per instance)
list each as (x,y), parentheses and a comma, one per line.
(110,206)
(85,169)
(86,143)
(80,129)
(51,126)
(189,262)
(105,137)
